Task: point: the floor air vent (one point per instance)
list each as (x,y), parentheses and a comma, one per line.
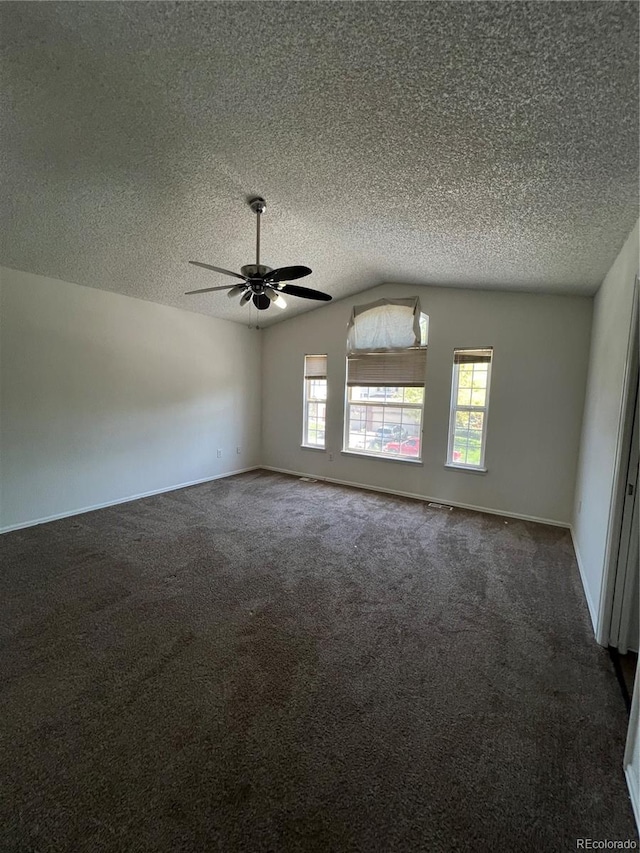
(440,506)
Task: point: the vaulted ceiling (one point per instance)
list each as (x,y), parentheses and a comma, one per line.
(490,145)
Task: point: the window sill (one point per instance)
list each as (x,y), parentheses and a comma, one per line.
(382,458)
(467,468)
(312,447)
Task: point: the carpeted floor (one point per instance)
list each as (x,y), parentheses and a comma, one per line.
(262,664)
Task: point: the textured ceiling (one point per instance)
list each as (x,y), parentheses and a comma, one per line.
(463,144)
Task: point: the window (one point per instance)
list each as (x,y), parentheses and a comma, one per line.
(385,421)
(469,407)
(315,400)
(386,363)
(385,398)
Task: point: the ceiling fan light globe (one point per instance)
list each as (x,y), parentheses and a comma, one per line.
(275,297)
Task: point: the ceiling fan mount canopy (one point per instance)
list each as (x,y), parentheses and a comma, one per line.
(258,204)
(262,284)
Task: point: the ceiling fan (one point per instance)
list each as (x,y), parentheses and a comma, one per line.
(262,284)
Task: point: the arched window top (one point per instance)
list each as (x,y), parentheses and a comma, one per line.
(387,325)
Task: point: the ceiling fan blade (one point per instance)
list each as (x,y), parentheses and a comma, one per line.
(261,301)
(217,269)
(305,293)
(287,273)
(210,289)
(275,297)
(236,290)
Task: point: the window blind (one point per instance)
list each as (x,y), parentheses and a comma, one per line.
(315,367)
(472,356)
(402,369)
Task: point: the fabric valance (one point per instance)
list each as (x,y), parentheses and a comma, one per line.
(384,326)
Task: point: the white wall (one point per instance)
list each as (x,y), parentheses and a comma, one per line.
(602,424)
(104,397)
(541,348)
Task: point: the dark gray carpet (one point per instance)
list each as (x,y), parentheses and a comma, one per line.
(263,664)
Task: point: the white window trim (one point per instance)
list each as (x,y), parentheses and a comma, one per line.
(305,408)
(386,457)
(468,469)
(461,466)
(420,327)
(374,454)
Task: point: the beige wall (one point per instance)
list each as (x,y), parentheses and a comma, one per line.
(104,397)
(541,348)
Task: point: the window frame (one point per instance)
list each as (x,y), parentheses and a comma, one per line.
(376,370)
(391,404)
(454,408)
(306,400)
(384,404)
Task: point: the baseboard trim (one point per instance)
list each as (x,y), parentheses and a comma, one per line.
(634,793)
(339,482)
(34,522)
(593,613)
(417,497)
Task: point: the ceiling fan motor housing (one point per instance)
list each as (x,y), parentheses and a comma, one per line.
(255,270)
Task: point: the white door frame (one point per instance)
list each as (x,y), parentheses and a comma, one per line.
(605,608)
(624,599)
(632,753)
(631,761)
